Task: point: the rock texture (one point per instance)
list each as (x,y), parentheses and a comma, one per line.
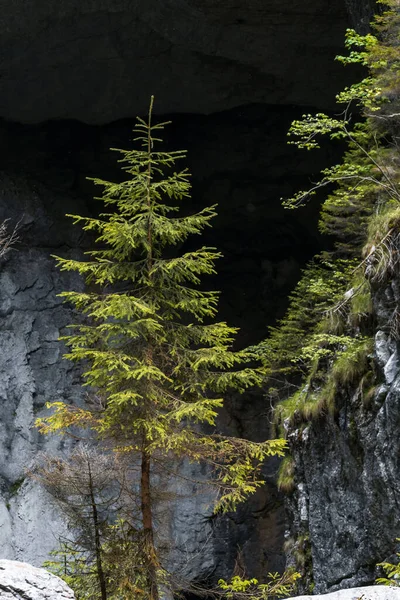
(346,507)
(379,592)
(21,581)
(32,373)
(361,13)
(100,60)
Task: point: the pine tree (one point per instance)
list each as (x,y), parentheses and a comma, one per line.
(158,364)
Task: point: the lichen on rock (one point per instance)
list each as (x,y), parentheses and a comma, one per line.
(21,581)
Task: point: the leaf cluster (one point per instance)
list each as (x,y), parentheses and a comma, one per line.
(277,586)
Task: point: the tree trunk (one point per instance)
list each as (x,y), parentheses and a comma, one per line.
(148,532)
(97,541)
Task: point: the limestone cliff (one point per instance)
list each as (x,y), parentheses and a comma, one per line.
(32,318)
(97,61)
(346,505)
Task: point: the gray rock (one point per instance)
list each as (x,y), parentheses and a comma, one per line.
(348,468)
(21,581)
(361,14)
(382,349)
(31,370)
(392,367)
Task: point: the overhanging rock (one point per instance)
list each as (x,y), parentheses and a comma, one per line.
(100,60)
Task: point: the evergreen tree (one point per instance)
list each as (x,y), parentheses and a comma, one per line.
(157,363)
(87,488)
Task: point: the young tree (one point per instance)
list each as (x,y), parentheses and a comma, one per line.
(157,363)
(93,488)
(87,488)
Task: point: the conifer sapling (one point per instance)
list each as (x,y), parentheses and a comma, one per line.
(157,363)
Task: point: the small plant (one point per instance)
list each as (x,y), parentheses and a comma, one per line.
(278,586)
(382,250)
(16,486)
(286,475)
(73,567)
(392,572)
(301,551)
(8,238)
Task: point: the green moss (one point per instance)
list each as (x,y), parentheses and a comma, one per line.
(361,300)
(300,550)
(300,408)
(316,399)
(381,250)
(368,388)
(351,364)
(286,475)
(14,488)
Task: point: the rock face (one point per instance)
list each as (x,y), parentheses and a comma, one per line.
(346,507)
(100,60)
(32,372)
(21,581)
(378,592)
(361,13)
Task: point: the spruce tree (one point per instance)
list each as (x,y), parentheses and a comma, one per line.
(157,363)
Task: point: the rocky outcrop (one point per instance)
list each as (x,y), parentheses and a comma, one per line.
(378,592)
(346,506)
(32,373)
(21,581)
(100,60)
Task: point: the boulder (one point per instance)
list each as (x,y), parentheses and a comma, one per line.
(377,592)
(20,581)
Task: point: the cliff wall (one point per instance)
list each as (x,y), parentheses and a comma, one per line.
(97,61)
